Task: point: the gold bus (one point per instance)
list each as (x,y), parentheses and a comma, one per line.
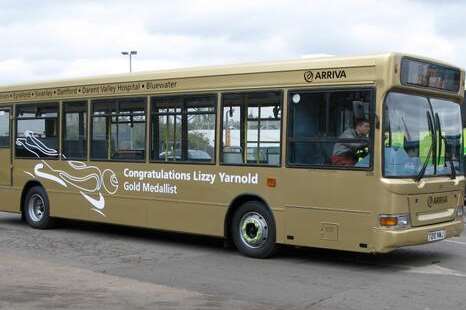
(359,154)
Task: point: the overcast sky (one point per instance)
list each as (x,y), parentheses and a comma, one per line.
(43,40)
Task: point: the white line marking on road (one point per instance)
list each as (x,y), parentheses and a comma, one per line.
(437,270)
(457,242)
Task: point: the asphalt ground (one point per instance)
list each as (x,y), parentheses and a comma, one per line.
(93,266)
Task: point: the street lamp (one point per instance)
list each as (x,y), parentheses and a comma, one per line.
(130,54)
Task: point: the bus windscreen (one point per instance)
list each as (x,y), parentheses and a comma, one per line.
(424,74)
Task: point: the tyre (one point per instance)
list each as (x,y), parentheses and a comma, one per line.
(253,230)
(36,209)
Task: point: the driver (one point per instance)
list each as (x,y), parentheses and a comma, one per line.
(347,153)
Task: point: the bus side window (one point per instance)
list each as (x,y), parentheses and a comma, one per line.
(37,128)
(119,129)
(4,129)
(183,128)
(330,128)
(128,130)
(251,129)
(75,130)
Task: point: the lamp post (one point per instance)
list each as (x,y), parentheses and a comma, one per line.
(130,54)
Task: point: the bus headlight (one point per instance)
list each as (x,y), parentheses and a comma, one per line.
(459,212)
(394,220)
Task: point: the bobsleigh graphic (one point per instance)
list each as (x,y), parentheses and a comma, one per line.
(90,181)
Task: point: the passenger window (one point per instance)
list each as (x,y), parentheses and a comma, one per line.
(331,128)
(37,130)
(200,121)
(119,129)
(99,148)
(75,130)
(4,129)
(251,128)
(184,128)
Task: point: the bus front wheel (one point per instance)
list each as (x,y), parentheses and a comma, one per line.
(253,230)
(36,208)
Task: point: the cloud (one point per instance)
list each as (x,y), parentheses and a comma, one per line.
(62,39)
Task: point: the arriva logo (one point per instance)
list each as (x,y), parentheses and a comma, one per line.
(310,76)
(431,201)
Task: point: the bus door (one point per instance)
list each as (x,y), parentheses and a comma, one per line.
(5,147)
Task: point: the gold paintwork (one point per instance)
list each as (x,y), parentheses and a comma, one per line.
(5,156)
(312,207)
(5,170)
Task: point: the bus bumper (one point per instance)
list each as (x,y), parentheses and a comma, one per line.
(389,240)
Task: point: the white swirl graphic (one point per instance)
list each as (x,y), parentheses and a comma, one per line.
(109,175)
(92,182)
(38,173)
(32,144)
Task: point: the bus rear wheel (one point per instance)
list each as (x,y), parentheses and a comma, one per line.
(36,209)
(253,230)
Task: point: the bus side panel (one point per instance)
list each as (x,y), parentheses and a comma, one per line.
(188,217)
(328,229)
(63,202)
(72,202)
(201,207)
(118,210)
(10,199)
(69,205)
(324,208)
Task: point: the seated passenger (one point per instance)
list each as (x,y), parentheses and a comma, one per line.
(347,153)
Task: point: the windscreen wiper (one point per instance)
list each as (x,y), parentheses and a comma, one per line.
(442,138)
(429,153)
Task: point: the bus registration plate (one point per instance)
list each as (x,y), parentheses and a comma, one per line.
(436,235)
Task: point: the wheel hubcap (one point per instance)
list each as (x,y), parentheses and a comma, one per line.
(36,208)
(253,230)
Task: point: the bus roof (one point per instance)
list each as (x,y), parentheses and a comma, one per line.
(236,69)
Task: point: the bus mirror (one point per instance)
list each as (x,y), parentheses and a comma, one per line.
(230,113)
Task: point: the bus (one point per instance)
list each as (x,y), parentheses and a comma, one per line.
(463,114)
(358,154)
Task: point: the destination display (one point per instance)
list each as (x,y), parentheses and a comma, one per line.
(424,74)
(90,90)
